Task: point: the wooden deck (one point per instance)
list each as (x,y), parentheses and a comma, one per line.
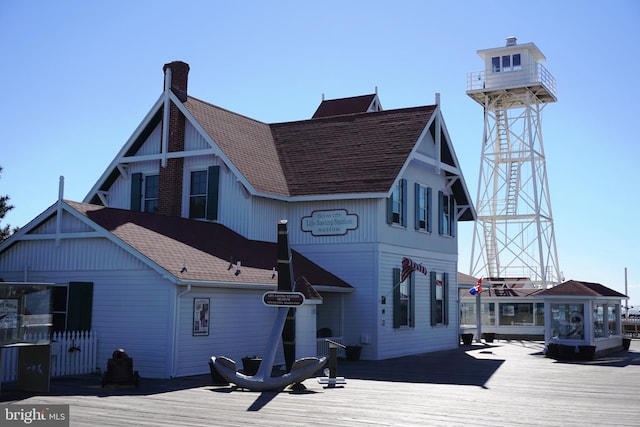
(507,383)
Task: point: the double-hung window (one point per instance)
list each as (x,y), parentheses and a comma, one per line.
(397,204)
(403,300)
(439,298)
(423,207)
(144,192)
(198,195)
(446,217)
(151,193)
(203,193)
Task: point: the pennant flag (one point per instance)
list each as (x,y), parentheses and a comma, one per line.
(409,266)
(477,288)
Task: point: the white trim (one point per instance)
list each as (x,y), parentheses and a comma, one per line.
(165,116)
(118,159)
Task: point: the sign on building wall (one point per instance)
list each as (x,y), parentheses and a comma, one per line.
(329,223)
(201,316)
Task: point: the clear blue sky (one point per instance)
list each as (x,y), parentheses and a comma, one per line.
(79,76)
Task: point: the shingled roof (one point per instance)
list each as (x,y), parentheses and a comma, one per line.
(353,153)
(248,143)
(583,289)
(357,153)
(199,250)
(350,105)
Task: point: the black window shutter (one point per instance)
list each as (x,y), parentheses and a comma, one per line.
(390,209)
(403,189)
(213,177)
(445,298)
(452,215)
(136,191)
(416,201)
(428,204)
(412,301)
(80,306)
(432,287)
(396,298)
(440,212)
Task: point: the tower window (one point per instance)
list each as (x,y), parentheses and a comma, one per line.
(506,63)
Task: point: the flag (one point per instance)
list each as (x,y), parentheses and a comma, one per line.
(409,266)
(477,288)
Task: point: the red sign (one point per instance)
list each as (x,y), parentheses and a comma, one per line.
(283,299)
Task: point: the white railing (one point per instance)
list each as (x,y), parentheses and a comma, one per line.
(323,345)
(537,74)
(72,353)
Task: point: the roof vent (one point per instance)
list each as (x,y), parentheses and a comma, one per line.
(511,41)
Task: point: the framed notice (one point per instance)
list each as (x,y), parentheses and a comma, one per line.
(201,316)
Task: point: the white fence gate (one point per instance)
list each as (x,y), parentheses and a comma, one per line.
(72,353)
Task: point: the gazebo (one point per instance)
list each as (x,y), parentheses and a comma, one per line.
(582,320)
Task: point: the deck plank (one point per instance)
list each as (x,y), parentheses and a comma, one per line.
(505,384)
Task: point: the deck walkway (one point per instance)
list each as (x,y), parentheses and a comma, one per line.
(507,383)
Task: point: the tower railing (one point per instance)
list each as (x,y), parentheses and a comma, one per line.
(523,76)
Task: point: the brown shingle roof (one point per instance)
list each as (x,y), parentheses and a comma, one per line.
(576,288)
(356,153)
(241,138)
(204,248)
(337,107)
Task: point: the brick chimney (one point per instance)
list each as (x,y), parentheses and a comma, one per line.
(170,179)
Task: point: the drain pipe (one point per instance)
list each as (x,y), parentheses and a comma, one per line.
(176,329)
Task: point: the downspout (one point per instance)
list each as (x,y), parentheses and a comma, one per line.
(176,329)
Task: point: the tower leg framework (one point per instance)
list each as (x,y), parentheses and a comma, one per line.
(514,235)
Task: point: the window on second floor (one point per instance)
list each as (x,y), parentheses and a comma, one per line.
(203,193)
(151,193)
(447,217)
(144,192)
(397,204)
(423,207)
(198,195)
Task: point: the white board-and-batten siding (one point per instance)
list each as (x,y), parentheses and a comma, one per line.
(423,337)
(132,305)
(238,326)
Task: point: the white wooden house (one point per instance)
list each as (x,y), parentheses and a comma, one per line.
(169,254)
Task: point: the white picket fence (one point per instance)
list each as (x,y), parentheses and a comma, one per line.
(72,353)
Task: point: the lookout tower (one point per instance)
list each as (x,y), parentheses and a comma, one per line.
(514,235)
